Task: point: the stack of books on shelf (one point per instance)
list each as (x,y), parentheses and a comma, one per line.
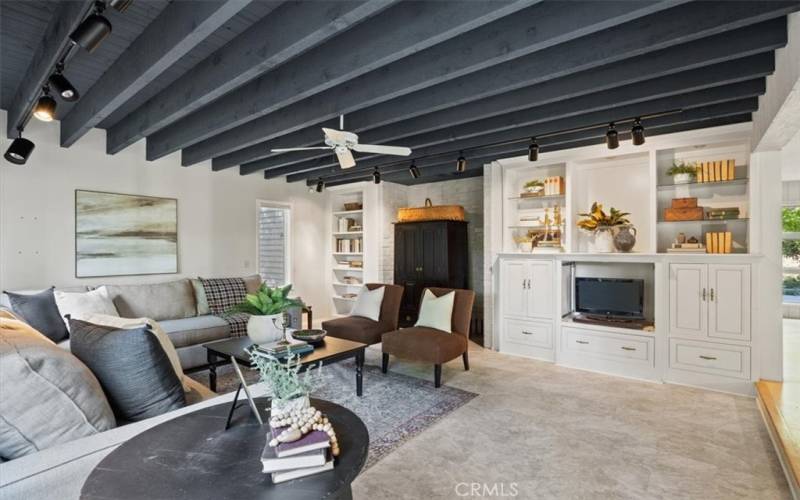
(687,248)
(553,186)
(307,456)
(719,242)
(284,348)
(346,245)
(345,224)
(723,213)
(715,171)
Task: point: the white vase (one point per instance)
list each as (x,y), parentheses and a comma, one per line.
(682,178)
(603,241)
(283,405)
(265,329)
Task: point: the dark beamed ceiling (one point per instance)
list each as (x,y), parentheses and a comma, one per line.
(228,80)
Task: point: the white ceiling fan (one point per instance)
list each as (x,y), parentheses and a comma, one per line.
(343,143)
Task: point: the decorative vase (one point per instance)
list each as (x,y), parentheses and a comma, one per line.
(624,240)
(265,329)
(682,178)
(283,405)
(603,241)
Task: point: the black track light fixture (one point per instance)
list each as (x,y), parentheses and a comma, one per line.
(637,132)
(92,30)
(320,185)
(59,83)
(413,170)
(376,176)
(612,137)
(120,5)
(20,150)
(45,108)
(533,150)
(461,162)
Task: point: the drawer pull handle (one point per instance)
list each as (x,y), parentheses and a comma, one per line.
(526,332)
(712,295)
(628,348)
(704,294)
(709,358)
(582,341)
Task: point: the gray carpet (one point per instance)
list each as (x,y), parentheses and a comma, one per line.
(394,407)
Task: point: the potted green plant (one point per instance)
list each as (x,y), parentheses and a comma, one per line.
(287,388)
(601,225)
(266,308)
(534,187)
(682,173)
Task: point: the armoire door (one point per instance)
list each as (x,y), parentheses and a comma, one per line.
(514,293)
(432,254)
(688,299)
(540,290)
(407,269)
(729,301)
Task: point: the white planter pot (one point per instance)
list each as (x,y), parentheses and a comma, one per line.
(265,329)
(682,178)
(283,405)
(603,241)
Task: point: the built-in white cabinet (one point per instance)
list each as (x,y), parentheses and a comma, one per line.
(528,289)
(709,301)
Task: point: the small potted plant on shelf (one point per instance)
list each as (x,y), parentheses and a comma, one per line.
(266,308)
(601,226)
(287,388)
(682,173)
(534,188)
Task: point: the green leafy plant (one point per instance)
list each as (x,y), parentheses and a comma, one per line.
(268,301)
(790,217)
(534,183)
(679,167)
(283,379)
(597,218)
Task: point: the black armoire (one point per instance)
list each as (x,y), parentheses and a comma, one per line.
(431,253)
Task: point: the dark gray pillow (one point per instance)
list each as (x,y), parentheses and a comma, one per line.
(41,312)
(132,368)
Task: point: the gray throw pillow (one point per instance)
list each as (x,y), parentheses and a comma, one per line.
(132,368)
(41,312)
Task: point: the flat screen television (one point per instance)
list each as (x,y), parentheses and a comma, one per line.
(610,297)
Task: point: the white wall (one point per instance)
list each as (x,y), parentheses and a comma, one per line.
(216,213)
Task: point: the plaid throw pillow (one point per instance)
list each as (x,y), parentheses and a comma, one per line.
(223,293)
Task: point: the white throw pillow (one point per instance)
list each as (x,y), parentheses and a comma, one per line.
(79,305)
(437,312)
(368,304)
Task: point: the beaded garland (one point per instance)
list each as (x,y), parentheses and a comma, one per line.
(298,423)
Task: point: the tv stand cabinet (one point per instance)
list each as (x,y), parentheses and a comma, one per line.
(592,319)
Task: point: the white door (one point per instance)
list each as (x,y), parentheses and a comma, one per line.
(540,290)
(688,299)
(729,301)
(514,288)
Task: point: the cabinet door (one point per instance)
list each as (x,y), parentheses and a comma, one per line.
(688,299)
(540,290)
(514,298)
(433,254)
(729,301)
(406,270)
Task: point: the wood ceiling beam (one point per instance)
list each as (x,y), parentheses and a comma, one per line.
(702,99)
(288,31)
(65,19)
(400,31)
(534,29)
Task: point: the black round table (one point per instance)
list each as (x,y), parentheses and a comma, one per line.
(193,457)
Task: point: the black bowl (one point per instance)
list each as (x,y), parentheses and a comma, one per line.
(310,336)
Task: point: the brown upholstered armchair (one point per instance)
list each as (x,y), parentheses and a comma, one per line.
(429,345)
(365,330)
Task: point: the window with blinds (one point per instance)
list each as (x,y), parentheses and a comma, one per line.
(273,243)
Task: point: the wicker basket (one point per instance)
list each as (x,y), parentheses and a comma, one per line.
(430,212)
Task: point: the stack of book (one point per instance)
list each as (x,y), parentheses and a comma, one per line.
(723,213)
(687,248)
(715,171)
(284,348)
(307,456)
(719,242)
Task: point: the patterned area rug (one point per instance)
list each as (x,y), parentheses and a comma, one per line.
(394,407)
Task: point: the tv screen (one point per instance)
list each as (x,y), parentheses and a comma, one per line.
(613,297)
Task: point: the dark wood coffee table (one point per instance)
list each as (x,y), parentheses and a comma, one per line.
(331,350)
(191,457)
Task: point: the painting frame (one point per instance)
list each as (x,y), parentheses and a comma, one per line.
(174,269)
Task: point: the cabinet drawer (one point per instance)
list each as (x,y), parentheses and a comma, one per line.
(534,333)
(608,345)
(714,359)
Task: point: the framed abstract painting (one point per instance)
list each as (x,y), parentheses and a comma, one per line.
(123,234)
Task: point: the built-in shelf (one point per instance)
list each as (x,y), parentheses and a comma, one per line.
(348,212)
(344,269)
(348,253)
(553,197)
(735,182)
(348,233)
(704,221)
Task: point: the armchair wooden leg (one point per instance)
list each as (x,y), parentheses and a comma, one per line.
(437,375)
(465,357)
(385,363)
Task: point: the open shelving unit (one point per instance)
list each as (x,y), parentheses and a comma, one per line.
(347,249)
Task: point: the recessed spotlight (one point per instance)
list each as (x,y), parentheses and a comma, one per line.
(59,83)
(612,137)
(533,150)
(376,176)
(320,185)
(45,108)
(637,132)
(19,151)
(93,30)
(461,163)
(414,171)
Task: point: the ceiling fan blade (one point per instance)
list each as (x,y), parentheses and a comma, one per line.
(337,136)
(381,150)
(286,150)
(345,157)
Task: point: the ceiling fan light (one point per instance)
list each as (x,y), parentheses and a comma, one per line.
(533,150)
(91,32)
(637,133)
(414,171)
(320,185)
(376,177)
(19,151)
(45,109)
(461,163)
(59,83)
(612,137)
